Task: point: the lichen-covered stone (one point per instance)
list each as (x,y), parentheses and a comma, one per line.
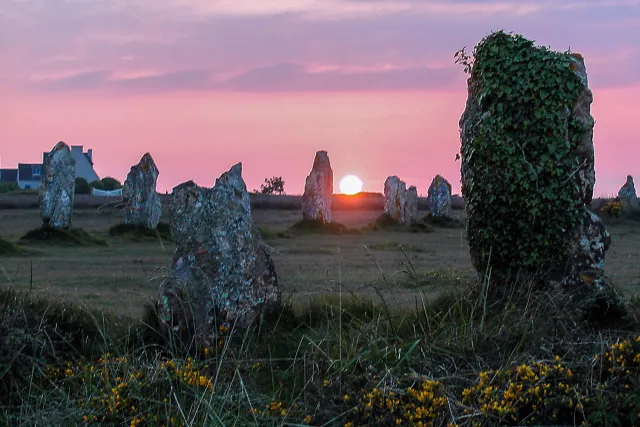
(142,203)
(628,196)
(318,190)
(586,260)
(439,197)
(57,187)
(412,204)
(528,165)
(221,271)
(395,200)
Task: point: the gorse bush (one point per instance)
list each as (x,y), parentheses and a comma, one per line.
(335,360)
(518,154)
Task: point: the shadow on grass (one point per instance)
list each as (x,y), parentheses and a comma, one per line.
(307,226)
(442,221)
(56,237)
(385,223)
(138,233)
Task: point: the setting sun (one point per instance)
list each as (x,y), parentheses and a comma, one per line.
(350,184)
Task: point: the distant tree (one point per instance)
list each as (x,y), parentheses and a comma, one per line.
(109,184)
(7,187)
(82,186)
(97,184)
(273,185)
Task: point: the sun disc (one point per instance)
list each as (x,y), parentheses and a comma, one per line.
(350,184)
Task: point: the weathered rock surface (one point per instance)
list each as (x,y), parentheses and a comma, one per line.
(439,197)
(318,190)
(412,204)
(587,252)
(57,187)
(395,199)
(221,270)
(143,205)
(497,184)
(628,196)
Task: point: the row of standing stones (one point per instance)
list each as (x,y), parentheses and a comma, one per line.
(57,189)
(400,202)
(221,271)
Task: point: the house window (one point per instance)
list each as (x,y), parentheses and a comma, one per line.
(27,187)
(35,170)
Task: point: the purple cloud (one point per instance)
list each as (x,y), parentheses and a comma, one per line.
(240,45)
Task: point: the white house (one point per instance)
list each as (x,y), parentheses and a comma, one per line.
(27,175)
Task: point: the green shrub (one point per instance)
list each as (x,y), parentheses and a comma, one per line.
(82,186)
(109,183)
(8,187)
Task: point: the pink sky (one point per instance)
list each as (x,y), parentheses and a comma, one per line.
(205,84)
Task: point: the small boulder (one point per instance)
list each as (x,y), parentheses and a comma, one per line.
(143,205)
(628,196)
(439,197)
(57,187)
(318,190)
(221,271)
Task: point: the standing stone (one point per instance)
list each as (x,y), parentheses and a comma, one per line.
(628,196)
(143,205)
(57,187)
(528,165)
(318,190)
(412,205)
(395,199)
(221,270)
(439,197)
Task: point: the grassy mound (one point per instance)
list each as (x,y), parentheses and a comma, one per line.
(307,226)
(268,234)
(385,222)
(70,237)
(442,221)
(140,233)
(7,248)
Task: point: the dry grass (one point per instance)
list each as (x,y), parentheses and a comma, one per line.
(124,275)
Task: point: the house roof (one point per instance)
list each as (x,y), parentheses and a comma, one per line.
(25,171)
(9,175)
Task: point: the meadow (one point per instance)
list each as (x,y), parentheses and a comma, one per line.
(378,328)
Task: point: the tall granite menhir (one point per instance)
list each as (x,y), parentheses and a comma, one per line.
(318,190)
(439,197)
(400,204)
(57,187)
(143,205)
(528,165)
(221,272)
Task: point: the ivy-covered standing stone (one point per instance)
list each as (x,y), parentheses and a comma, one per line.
(528,164)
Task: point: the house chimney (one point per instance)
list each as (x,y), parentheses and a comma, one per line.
(90,155)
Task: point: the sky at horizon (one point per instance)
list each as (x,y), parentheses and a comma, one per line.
(202,85)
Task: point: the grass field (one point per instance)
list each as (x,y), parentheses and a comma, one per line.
(125,274)
(371,335)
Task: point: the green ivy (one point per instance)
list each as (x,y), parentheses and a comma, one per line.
(518,155)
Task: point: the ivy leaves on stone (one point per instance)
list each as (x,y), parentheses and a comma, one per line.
(517,152)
